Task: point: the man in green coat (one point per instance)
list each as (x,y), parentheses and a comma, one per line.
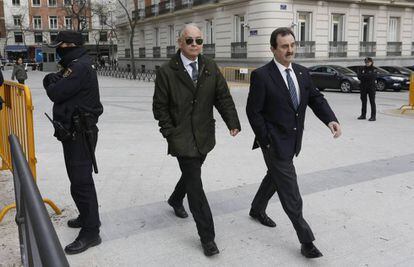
(186,89)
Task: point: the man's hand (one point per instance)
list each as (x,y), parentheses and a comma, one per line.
(335,129)
(51,78)
(234,132)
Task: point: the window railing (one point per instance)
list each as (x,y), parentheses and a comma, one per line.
(141,52)
(156,52)
(165,7)
(182,4)
(201,2)
(367,49)
(151,11)
(209,50)
(171,50)
(394,48)
(239,50)
(305,49)
(338,49)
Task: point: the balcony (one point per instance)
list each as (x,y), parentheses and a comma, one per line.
(305,49)
(394,48)
(239,50)
(165,7)
(156,52)
(151,11)
(138,14)
(367,49)
(171,51)
(209,50)
(201,2)
(141,52)
(182,4)
(338,49)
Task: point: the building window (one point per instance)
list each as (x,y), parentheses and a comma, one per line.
(53,36)
(52,2)
(67,2)
(18,37)
(394,29)
(37,22)
(171,34)
(102,20)
(85,36)
(35,2)
(239,29)
(127,52)
(16,2)
(53,22)
(368,28)
(209,34)
(17,21)
(103,36)
(38,36)
(157,36)
(68,23)
(337,32)
(304,26)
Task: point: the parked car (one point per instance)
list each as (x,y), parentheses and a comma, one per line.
(334,77)
(398,70)
(410,67)
(387,80)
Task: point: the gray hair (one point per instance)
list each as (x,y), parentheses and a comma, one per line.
(186,26)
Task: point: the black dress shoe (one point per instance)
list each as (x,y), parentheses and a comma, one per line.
(262,218)
(361,117)
(210,248)
(76,223)
(310,251)
(82,243)
(178,210)
(372,119)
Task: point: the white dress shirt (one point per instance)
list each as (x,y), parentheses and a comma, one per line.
(282,70)
(187,62)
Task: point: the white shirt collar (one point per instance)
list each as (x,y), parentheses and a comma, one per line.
(186,61)
(282,68)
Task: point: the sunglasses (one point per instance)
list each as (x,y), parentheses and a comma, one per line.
(190,41)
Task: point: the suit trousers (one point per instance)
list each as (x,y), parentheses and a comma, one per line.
(370,92)
(281,178)
(190,184)
(79,168)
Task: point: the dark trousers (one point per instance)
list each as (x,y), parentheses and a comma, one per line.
(370,92)
(79,168)
(281,178)
(190,184)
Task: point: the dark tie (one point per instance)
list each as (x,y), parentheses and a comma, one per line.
(194,73)
(292,89)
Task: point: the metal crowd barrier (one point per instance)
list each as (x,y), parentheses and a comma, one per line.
(117,72)
(237,74)
(39,244)
(410,105)
(16,117)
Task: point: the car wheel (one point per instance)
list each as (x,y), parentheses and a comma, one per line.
(345,87)
(380,85)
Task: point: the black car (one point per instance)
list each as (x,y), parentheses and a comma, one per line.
(398,70)
(334,77)
(387,80)
(410,67)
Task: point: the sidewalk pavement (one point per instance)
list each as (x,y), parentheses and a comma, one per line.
(357,190)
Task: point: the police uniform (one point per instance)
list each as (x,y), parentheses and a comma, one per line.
(368,75)
(75,89)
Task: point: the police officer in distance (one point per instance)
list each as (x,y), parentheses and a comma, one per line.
(74,92)
(368,76)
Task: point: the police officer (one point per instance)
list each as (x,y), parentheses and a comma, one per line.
(368,75)
(74,91)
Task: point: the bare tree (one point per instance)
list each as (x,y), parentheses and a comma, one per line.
(132,21)
(78,10)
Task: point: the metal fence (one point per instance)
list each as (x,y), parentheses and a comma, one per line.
(126,73)
(39,244)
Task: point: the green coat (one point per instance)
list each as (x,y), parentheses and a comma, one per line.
(185,111)
(19,72)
